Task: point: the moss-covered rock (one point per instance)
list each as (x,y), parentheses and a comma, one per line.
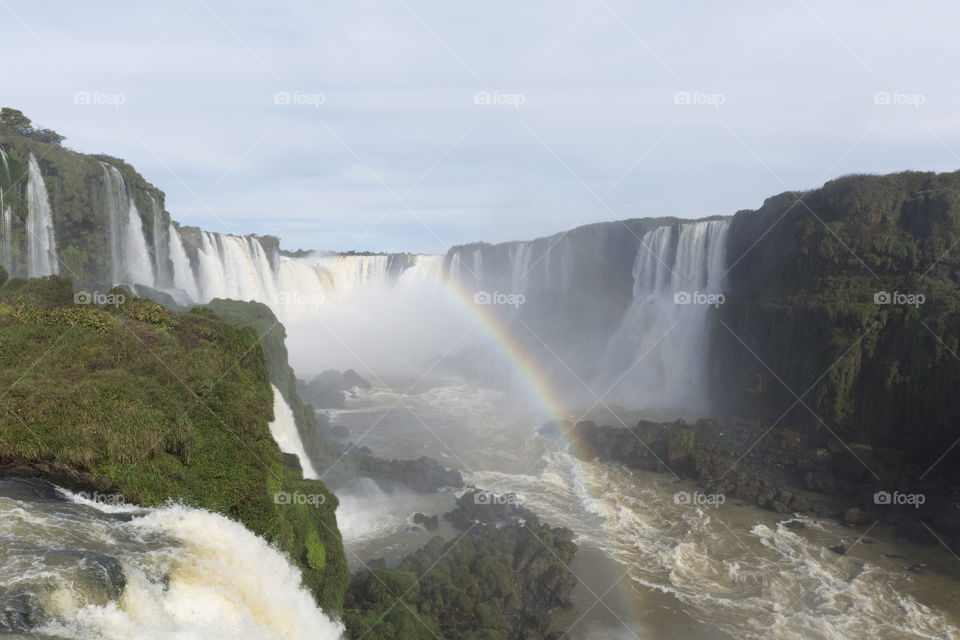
(157,405)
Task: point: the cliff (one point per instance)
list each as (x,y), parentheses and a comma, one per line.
(847,298)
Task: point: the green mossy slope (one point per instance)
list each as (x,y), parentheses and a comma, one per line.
(167,405)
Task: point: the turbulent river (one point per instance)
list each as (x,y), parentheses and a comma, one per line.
(72,567)
(651,564)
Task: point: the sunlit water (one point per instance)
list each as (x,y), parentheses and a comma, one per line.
(659,569)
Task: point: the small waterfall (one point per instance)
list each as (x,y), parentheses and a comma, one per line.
(520,267)
(425,268)
(160,247)
(6,237)
(137,263)
(655,360)
(131,261)
(6,217)
(183,276)
(284,432)
(41,242)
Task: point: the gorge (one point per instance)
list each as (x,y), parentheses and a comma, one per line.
(772,321)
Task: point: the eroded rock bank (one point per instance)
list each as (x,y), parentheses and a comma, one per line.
(784,471)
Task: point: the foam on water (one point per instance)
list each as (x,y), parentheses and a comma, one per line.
(187,574)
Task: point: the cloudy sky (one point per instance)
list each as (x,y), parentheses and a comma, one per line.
(415,125)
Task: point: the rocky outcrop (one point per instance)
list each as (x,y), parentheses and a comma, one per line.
(783,471)
(502,579)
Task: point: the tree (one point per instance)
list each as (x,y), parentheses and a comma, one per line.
(48,135)
(13,121)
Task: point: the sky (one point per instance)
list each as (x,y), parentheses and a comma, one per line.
(410,125)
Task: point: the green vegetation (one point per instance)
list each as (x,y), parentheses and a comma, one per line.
(497,581)
(273,337)
(167,405)
(12,121)
(802,300)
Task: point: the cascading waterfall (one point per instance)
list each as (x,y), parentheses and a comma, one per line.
(75,568)
(655,360)
(41,241)
(183,276)
(160,247)
(6,216)
(284,432)
(131,262)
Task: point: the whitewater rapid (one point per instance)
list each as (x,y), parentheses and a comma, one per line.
(72,567)
(732,571)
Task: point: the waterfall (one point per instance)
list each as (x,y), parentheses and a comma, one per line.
(183,276)
(284,432)
(160,243)
(41,242)
(6,217)
(131,262)
(655,360)
(73,567)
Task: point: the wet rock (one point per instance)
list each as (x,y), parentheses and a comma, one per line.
(430,523)
(839,549)
(423,475)
(794,525)
(853,515)
(19,614)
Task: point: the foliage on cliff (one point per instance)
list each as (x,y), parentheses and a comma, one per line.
(165,405)
(499,580)
(273,336)
(825,294)
(76,187)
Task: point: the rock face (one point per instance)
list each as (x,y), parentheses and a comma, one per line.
(783,471)
(330,389)
(423,475)
(849,300)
